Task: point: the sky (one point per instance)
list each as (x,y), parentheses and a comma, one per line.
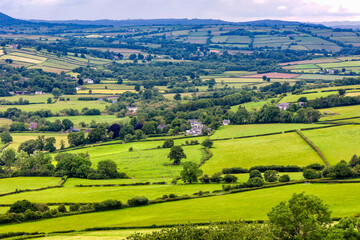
(230,10)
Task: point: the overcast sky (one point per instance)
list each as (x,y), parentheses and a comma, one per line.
(231,10)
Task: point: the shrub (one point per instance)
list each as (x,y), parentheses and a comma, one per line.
(255,173)
(310,174)
(226,188)
(165,196)
(75,207)
(168,143)
(138,201)
(228,178)
(22,206)
(316,166)
(131,149)
(62,208)
(271,175)
(284,178)
(205,179)
(171,195)
(107,205)
(255,182)
(216,178)
(341,171)
(234,170)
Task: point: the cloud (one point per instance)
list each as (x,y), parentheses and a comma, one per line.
(232,10)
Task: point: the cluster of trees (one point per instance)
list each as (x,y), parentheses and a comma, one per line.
(272,114)
(39,144)
(70,165)
(333,101)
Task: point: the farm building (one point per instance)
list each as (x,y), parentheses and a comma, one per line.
(39,93)
(88,80)
(132,109)
(33,126)
(283,106)
(196,127)
(226,122)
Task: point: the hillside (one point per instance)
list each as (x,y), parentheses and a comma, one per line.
(7,20)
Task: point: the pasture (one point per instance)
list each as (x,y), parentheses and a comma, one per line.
(88,119)
(281,149)
(336,143)
(310,96)
(253,106)
(22,183)
(255,129)
(5,121)
(340,112)
(217,208)
(18,138)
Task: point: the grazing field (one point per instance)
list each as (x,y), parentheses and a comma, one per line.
(310,96)
(253,106)
(18,138)
(217,208)
(142,163)
(244,177)
(88,119)
(21,183)
(98,194)
(58,106)
(255,129)
(273,75)
(281,149)
(5,121)
(341,112)
(336,143)
(72,182)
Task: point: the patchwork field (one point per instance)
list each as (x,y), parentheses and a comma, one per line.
(18,138)
(310,96)
(22,183)
(282,149)
(218,208)
(88,119)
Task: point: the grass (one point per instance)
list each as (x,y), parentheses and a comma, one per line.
(340,64)
(58,106)
(310,96)
(5,121)
(140,163)
(18,138)
(253,205)
(11,184)
(255,129)
(98,194)
(252,106)
(244,177)
(284,149)
(337,143)
(341,112)
(72,182)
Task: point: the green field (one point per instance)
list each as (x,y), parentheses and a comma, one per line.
(341,112)
(218,208)
(255,129)
(98,194)
(142,163)
(282,149)
(336,143)
(310,96)
(244,177)
(18,138)
(5,121)
(21,183)
(88,119)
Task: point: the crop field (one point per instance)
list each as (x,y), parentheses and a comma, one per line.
(217,208)
(18,138)
(340,64)
(344,138)
(98,194)
(21,183)
(281,149)
(58,106)
(141,163)
(255,129)
(88,119)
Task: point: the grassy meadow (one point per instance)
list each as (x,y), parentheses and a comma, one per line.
(21,183)
(281,149)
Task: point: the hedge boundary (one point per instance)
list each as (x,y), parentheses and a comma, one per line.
(313,146)
(30,190)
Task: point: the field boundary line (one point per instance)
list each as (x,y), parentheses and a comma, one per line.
(313,146)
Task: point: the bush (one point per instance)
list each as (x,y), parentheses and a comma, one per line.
(255,173)
(234,170)
(171,195)
(22,206)
(62,208)
(226,188)
(228,178)
(168,143)
(205,179)
(316,166)
(216,178)
(341,171)
(310,174)
(284,178)
(138,201)
(75,207)
(279,168)
(107,205)
(255,182)
(271,175)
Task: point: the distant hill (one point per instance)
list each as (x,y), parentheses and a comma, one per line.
(7,20)
(343,24)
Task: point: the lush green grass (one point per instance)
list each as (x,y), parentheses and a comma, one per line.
(283,149)
(251,106)
(19,138)
(255,129)
(253,205)
(21,183)
(87,119)
(341,112)
(340,64)
(310,96)
(71,182)
(5,121)
(58,106)
(319,76)
(142,163)
(97,194)
(337,143)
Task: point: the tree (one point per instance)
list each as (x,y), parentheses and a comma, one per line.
(255,182)
(190,172)
(176,154)
(50,144)
(168,143)
(72,165)
(284,178)
(8,157)
(67,124)
(355,160)
(119,80)
(207,143)
(137,87)
(76,139)
(56,92)
(216,178)
(264,78)
(97,134)
(29,146)
(22,206)
(302,217)
(228,178)
(49,100)
(177,97)
(108,168)
(6,137)
(255,173)
(341,170)
(271,175)
(342,92)
(310,174)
